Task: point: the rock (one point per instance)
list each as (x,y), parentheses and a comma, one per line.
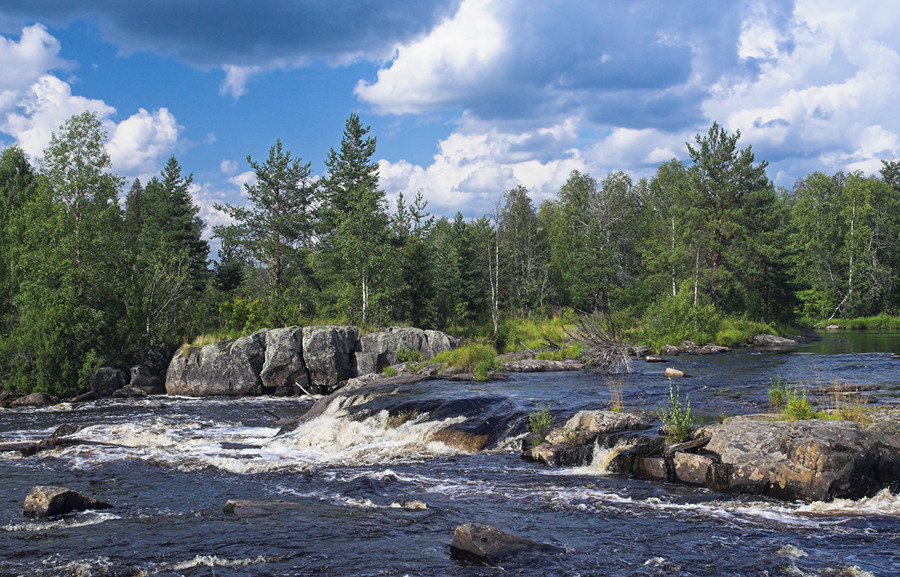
(833,328)
(488,545)
(146,379)
(812,460)
(223,368)
(107,380)
(129,392)
(542,366)
(283,369)
(33,400)
(378,350)
(88,396)
(254,508)
(328,355)
(6,397)
(48,501)
(607,421)
(651,359)
(773,341)
(671,373)
(692,469)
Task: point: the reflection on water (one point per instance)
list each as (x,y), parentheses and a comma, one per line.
(373,497)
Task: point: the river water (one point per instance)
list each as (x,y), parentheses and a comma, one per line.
(373,498)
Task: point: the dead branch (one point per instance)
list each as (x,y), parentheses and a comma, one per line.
(602,346)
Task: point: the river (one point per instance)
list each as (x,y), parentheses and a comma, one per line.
(373,498)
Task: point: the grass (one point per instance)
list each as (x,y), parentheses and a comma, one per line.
(845,405)
(476,358)
(389,372)
(676,415)
(778,393)
(571,352)
(615,385)
(880,322)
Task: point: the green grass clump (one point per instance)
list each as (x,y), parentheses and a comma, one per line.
(539,422)
(389,372)
(517,334)
(475,358)
(778,393)
(408,356)
(880,322)
(797,407)
(676,415)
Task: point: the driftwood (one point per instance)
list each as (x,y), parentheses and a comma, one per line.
(602,346)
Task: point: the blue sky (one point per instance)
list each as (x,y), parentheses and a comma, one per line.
(466,97)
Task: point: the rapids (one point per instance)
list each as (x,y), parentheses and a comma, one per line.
(372,494)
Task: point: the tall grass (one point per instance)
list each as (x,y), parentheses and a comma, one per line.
(880,322)
(475,358)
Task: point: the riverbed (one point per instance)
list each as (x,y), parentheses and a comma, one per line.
(370,497)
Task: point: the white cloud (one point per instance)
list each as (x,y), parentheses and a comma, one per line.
(26,61)
(140,141)
(35,103)
(228,166)
(433,71)
(236,78)
(239,180)
(41,111)
(206,196)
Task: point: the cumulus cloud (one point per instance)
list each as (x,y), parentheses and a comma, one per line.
(138,142)
(34,103)
(206,196)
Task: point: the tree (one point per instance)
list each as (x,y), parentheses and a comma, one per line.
(276,230)
(70,268)
(727,193)
(523,252)
(353,222)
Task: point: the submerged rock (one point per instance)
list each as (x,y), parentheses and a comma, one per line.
(49,501)
(671,373)
(488,545)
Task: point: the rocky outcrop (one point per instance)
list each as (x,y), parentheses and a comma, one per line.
(48,501)
(690,348)
(293,360)
(328,354)
(811,460)
(486,545)
(223,368)
(147,380)
(542,366)
(773,341)
(378,350)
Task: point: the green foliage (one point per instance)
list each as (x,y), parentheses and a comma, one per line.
(539,422)
(408,356)
(470,358)
(797,407)
(778,393)
(676,415)
(882,322)
(570,352)
(389,372)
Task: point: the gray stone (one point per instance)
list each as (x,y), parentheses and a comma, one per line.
(488,545)
(607,421)
(147,380)
(378,350)
(773,341)
(692,469)
(328,354)
(224,368)
(542,366)
(284,369)
(49,501)
(107,380)
(33,400)
(812,460)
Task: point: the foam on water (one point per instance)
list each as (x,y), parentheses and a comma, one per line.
(214,561)
(78,520)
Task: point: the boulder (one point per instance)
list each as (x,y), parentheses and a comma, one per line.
(328,355)
(48,501)
(378,350)
(812,460)
(671,373)
(773,341)
(607,421)
(33,400)
(488,545)
(147,380)
(223,368)
(283,369)
(107,380)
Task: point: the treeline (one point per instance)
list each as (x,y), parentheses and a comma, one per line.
(87,280)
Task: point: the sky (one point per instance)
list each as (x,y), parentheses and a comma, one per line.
(467,98)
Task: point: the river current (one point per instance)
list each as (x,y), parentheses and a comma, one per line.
(370,497)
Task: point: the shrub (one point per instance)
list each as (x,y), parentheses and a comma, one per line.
(539,422)
(676,415)
(778,393)
(797,407)
(389,372)
(408,356)
(570,352)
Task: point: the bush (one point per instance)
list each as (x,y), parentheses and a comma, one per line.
(676,415)
(389,372)
(408,356)
(798,408)
(778,393)
(570,352)
(539,422)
